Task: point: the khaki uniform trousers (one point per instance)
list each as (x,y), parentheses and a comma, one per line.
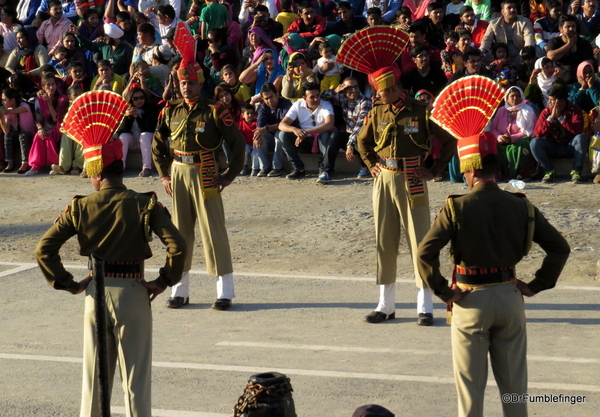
(188,206)
(392,213)
(489,319)
(129,340)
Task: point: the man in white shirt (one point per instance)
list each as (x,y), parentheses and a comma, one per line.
(316,120)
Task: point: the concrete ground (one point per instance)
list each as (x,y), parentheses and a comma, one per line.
(307,327)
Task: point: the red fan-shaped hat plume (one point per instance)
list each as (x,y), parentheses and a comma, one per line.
(185,43)
(463,109)
(374,51)
(91,121)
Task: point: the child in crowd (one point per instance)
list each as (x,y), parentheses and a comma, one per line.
(452,57)
(506,74)
(403,18)
(328,66)
(287,15)
(374,17)
(482,9)
(229,76)
(70,155)
(90,27)
(59,60)
(247,125)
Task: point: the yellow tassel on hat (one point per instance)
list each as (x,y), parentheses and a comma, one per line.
(94,167)
(470,162)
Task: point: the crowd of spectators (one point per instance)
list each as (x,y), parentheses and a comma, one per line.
(272,63)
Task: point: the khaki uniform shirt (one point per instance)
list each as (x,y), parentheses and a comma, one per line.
(400,132)
(204,128)
(489,230)
(110,223)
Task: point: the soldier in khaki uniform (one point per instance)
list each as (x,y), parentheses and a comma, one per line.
(489,231)
(116,224)
(187,139)
(393,142)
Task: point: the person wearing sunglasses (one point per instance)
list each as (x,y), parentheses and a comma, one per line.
(138,128)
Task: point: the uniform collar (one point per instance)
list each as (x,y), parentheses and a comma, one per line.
(485,186)
(408,105)
(112,186)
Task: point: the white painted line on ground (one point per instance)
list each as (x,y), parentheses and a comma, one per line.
(310,372)
(21,268)
(386,350)
(269,275)
(158,412)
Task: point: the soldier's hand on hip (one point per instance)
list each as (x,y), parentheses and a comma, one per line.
(152,287)
(82,285)
(166,183)
(524,288)
(459,293)
(424,173)
(375,171)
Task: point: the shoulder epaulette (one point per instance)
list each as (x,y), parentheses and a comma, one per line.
(450,203)
(152,201)
(75,209)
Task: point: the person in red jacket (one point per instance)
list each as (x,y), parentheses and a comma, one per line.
(309,25)
(476,26)
(559,134)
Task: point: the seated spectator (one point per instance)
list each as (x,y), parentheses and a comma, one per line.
(558,133)
(107,79)
(469,21)
(511,29)
(9,23)
(424,76)
(473,61)
(328,67)
(569,49)
(59,61)
(240,91)
(123,20)
(29,56)
(504,72)
(524,71)
(388,8)
(355,108)
(315,119)
(61,86)
(309,24)
(292,43)
(249,9)
(137,129)
(26,88)
(374,17)
(193,16)
(296,76)
(263,20)
(50,109)
(224,95)
(259,42)
(70,155)
(267,134)
(74,51)
(585,93)
(417,37)
(347,23)
(147,43)
(213,16)
(452,57)
(27,11)
(77,76)
(513,127)
(454,7)
(266,70)
(113,49)
(90,27)
(247,125)
(547,28)
(142,77)
(50,32)
(219,54)
(482,9)
(589,19)
(287,16)
(542,78)
(69,8)
(16,122)
(436,24)
(403,18)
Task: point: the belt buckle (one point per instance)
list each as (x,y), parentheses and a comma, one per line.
(187,159)
(392,163)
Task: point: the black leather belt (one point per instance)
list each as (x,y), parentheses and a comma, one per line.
(497,277)
(122,269)
(187,159)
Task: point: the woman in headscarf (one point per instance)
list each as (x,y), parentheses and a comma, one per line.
(296,75)
(585,93)
(29,56)
(513,127)
(266,69)
(74,51)
(258,43)
(543,76)
(292,43)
